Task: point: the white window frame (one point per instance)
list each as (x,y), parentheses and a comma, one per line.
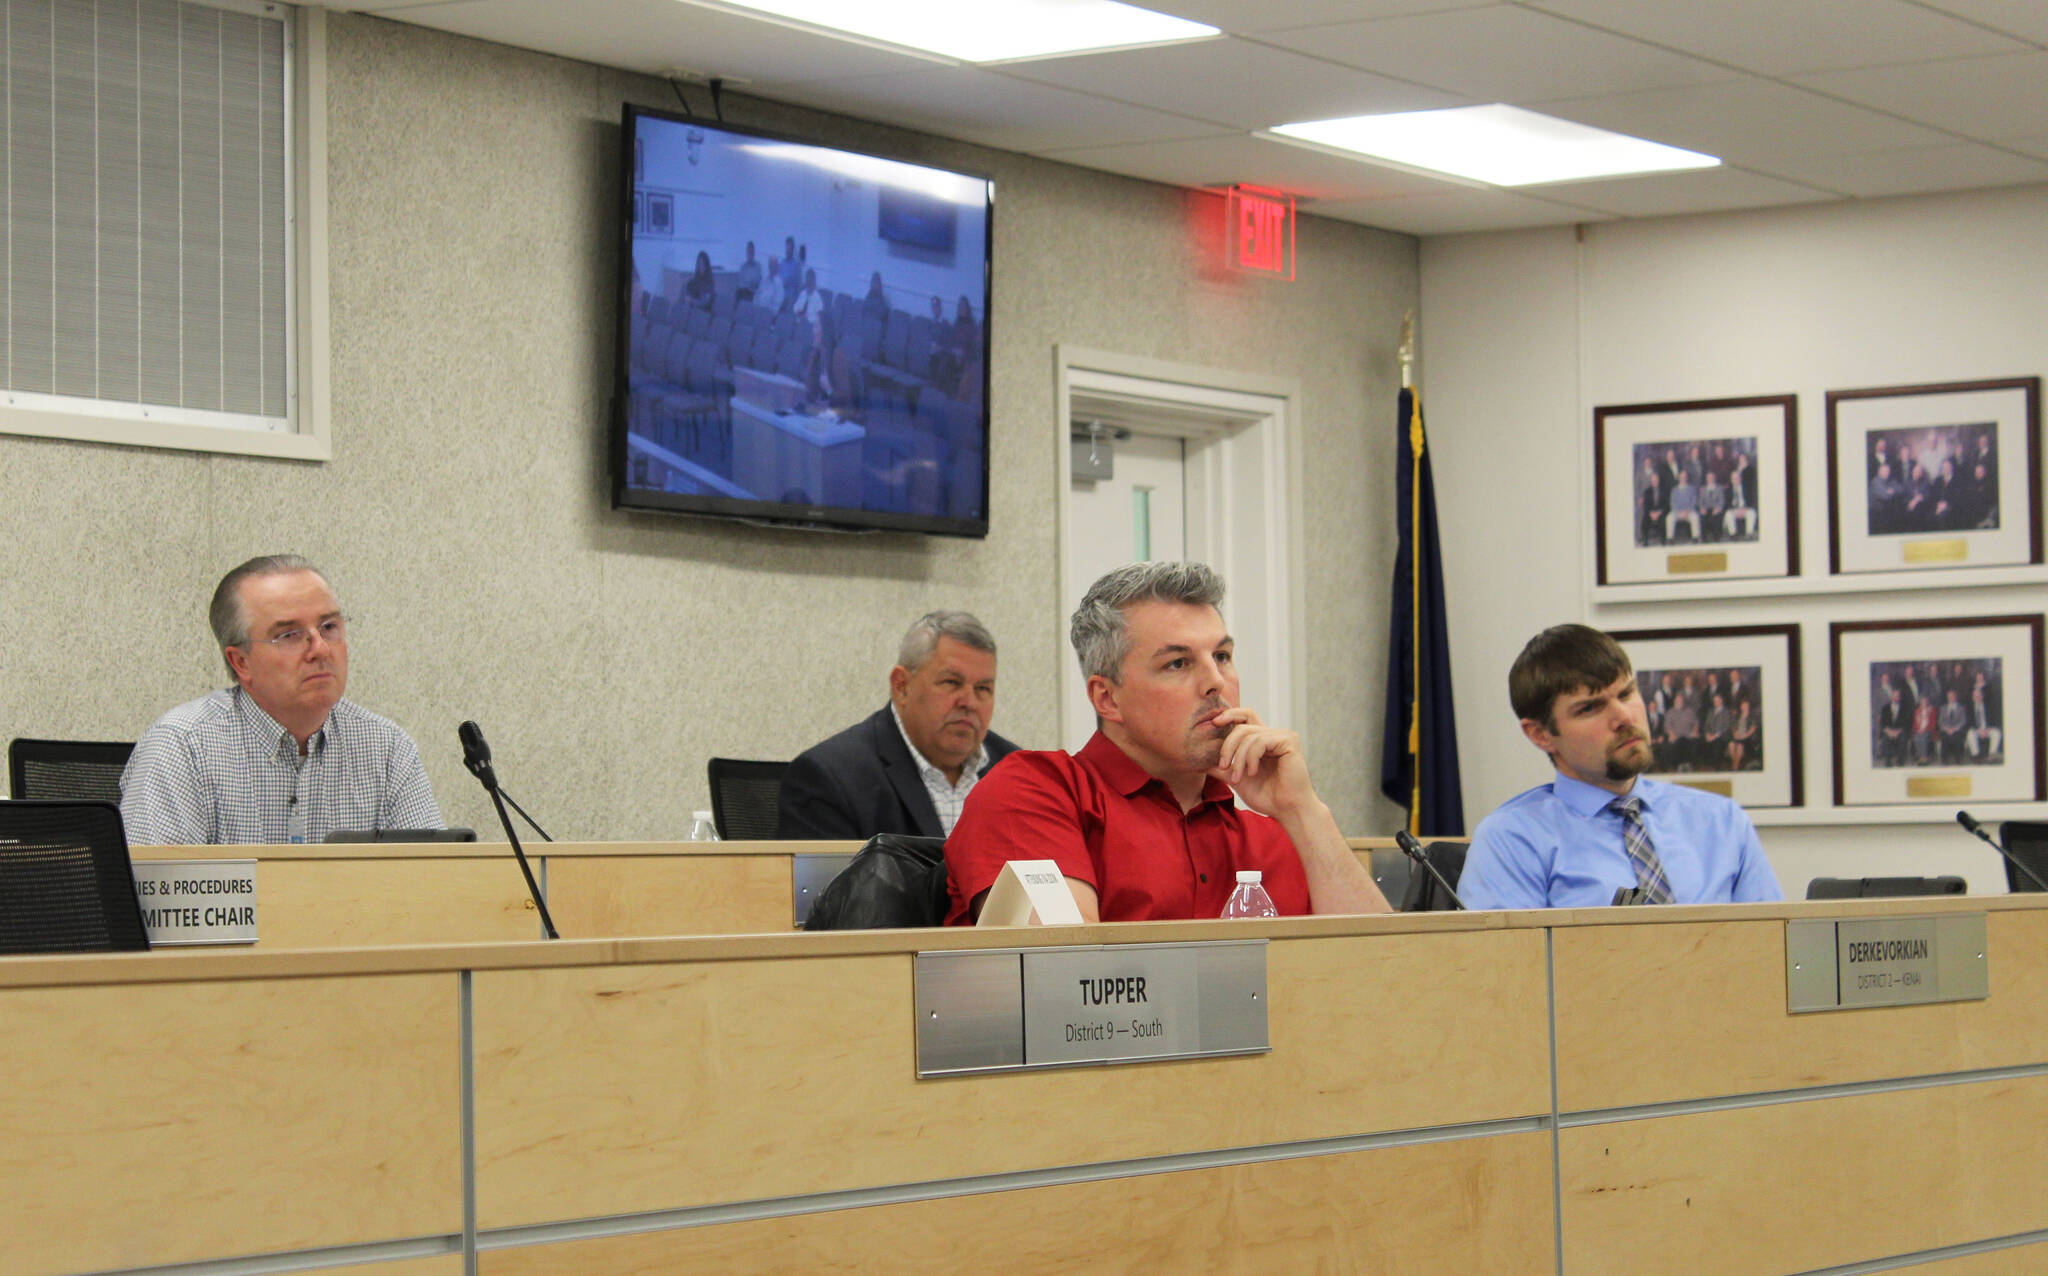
(306,363)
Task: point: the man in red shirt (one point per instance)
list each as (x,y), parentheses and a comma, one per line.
(1141,820)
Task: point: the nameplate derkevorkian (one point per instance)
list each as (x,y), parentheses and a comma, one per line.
(1853,963)
(197,901)
(1016,1009)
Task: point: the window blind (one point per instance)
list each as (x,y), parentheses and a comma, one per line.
(144,187)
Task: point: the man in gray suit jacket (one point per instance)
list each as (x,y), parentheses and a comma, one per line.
(908,767)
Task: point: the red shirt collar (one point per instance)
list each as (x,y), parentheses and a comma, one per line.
(1126,777)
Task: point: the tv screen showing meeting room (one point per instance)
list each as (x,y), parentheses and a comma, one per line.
(803,332)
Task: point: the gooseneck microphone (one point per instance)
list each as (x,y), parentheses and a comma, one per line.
(1414,851)
(476,755)
(1965,819)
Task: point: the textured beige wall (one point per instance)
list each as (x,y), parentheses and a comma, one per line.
(607,655)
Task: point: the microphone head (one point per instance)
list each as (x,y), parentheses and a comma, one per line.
(476,754)
(1963,818)
(1409,846)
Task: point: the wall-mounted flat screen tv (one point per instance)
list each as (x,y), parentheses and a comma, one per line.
(803,332)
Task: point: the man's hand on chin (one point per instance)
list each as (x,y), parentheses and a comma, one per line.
(1264,765)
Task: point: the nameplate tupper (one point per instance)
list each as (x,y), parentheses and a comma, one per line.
(1885,961)
(1019,1009)
(197,901)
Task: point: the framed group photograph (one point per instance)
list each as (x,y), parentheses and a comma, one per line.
(1943,710)
(1723,709)
(1922,477)
(1705,490)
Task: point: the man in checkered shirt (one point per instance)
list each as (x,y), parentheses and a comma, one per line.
(280,756)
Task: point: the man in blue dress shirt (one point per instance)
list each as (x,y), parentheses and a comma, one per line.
(1601,825)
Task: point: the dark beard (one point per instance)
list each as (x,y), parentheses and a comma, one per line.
(1618,770)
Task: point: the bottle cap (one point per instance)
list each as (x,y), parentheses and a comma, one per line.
(1250,877)
(701,815)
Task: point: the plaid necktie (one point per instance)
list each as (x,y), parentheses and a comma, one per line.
(1635,839)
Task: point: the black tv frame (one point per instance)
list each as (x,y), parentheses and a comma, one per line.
(815,517)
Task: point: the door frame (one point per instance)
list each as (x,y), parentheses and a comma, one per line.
(1228,418)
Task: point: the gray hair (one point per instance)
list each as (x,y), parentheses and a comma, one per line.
(1100,629)
(922,638)
(225,613)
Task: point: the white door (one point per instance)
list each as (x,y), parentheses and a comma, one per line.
(1205,475)
(1138,515)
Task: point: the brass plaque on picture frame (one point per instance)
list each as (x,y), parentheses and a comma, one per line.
(1694,564)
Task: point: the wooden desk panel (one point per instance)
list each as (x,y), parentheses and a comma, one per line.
(1707,1005)
(687,1085)
(342,903)
(1796,1186)
(171,1122)
(1477,1205)
(439,1265)
(617,896)
(345,894)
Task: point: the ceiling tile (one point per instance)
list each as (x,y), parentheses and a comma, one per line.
(1265,15)
(1984,98)
(1780,37)
(1457,213)
(1964,166)
(1306,174)
(2027,19)
(1234,82)
(1501,54)
(1870,98)
(1671,194)
(654,35)
(976,105)
(1747,122)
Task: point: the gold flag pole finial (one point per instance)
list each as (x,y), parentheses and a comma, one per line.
(1407,351)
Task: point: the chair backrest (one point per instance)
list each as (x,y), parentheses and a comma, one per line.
(86,770)
(744,797)
(1883,887)
(2028,842)
(65,881)
(898,880)
(1424,895)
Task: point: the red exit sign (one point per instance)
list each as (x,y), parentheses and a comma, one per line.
(1260,234)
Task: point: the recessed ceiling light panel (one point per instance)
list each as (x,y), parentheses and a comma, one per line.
(1499,145)
(984,30)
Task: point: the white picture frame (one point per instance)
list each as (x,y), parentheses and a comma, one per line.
(1876,764)
(1705,439)
(1755,663)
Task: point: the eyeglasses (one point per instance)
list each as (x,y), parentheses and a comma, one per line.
(293,641)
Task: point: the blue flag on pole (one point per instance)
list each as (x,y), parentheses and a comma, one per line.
(1419,759)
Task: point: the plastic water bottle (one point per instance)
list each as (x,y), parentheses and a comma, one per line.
(703,830)
(1250,898)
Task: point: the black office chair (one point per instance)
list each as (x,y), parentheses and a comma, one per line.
(897,880)
(79,770)
(1424,894)
(2028,842)
(743,798)
(1883,887)
(65,882)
